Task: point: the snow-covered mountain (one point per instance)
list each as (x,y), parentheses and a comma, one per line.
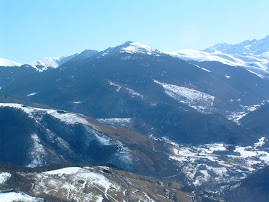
(8,63)
(132,48)
(50,62)
(253,47)
(252,55)
(257,64)
(166,115)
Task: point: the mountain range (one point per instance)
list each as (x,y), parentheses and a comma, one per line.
(250,54)
(195,118)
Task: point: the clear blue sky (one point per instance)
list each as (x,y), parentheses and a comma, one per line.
(32,29)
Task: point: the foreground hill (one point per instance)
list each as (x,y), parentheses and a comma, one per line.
(89,183)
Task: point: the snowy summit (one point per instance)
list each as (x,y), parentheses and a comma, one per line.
(134,47)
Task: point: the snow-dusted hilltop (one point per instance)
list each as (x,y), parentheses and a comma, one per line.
(132,47)
(53,62)
(8,63)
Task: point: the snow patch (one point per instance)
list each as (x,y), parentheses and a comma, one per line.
(13,196)
(135,47)
(119,122)
(198,100)
(131,92)
(32,94)
(62,171)
(4,176)
(38,153)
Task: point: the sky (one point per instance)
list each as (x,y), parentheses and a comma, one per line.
(33,29)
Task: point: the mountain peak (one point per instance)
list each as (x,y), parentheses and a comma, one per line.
(133,47)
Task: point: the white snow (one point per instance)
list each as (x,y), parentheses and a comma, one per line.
(231,165)
(83,173)
(8,63)
(47,62)
(4,176)
(101,138)
(207,70)
(68,171)
(257,64)
(63,116)
(120,122)
(38,153)
(198,100)
(32,94)
(134,93)
(261,142)
(13,196)
(135,47)
(71,181)
(50,62)
(131,92)
(201,56)
(236,116)
(67,117)
(116,85)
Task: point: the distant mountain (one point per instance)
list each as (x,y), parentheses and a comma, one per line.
(252,55)
(253,47)
(8,63)
(258,64)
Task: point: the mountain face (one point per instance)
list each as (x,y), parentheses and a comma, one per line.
(8,63)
